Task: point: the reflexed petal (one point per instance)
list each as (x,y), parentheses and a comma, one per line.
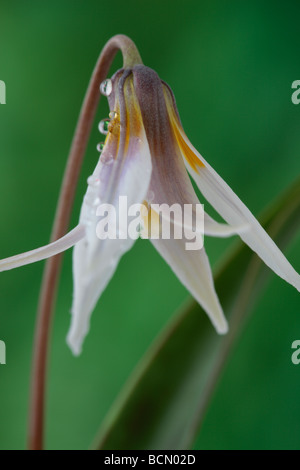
(229,206)
(124,170)
(217,229)
(44,252)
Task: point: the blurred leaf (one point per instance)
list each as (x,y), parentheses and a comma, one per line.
(164,401)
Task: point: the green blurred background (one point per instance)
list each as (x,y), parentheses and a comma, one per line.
(231,66)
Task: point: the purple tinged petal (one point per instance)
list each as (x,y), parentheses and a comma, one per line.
(170,184)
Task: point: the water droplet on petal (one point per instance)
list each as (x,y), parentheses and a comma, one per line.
(113,115)
(107,159)
(100,147)
(93,181)
(96,201)
(106,87)
(103,126)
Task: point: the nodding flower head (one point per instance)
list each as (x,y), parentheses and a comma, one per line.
(144,158)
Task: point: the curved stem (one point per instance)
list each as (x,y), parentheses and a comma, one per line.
(60,227)
(131,55)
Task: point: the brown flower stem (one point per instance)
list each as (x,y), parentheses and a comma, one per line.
(60,227)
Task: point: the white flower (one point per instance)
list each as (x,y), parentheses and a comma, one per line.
(144,159)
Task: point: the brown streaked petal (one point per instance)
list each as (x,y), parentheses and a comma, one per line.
(170,184)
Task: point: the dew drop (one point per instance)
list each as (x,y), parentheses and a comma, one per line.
(107,159)
(113,115)
(93,181)
(106,87)
(103,126)
(96,201)
(100,147)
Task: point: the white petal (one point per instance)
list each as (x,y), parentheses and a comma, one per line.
(230,207)
(193,270)
(95,260)
(217,229)
(44,252)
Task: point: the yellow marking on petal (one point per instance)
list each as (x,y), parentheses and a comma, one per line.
(193,160)
(151,222)
(113,137)
(144,233)
(133,113)
(190,156)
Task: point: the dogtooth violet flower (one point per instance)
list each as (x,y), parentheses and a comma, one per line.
(145,157)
